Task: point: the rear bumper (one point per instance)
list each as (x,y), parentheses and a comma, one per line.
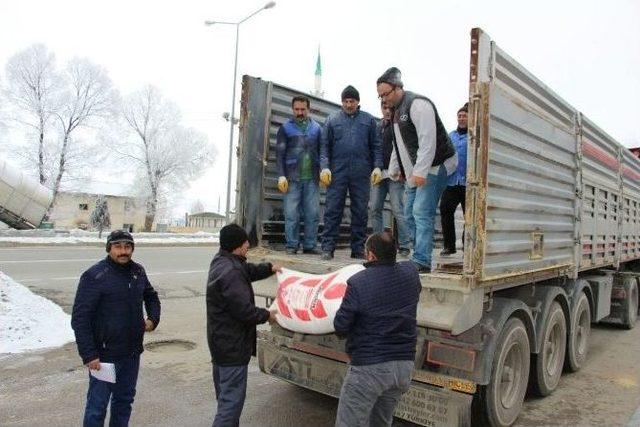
(423,404)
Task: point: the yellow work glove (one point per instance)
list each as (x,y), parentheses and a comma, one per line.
(283,184)
(325,177)
(376,176)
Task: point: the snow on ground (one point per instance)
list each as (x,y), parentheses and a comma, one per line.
(80,236)
(29,321)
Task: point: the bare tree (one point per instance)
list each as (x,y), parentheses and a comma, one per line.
(196,207)
(32,86)
(100,217)
(88,97)
(170,154)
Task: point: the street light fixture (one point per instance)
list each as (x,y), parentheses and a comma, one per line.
(233,96)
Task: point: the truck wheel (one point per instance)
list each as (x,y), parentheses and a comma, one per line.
(578,337)
(631,314)
(548,363)
(501,400)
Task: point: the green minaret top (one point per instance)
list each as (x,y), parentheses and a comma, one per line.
(318,64)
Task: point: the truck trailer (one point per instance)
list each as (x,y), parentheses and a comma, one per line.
(551,245)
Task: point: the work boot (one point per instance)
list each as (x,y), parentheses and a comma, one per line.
(422,269)
(447,252)
(312,251)
(357,255)
(326,256)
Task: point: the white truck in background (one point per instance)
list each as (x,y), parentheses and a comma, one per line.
(23,200)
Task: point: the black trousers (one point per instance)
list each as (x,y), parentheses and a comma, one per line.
(452,196)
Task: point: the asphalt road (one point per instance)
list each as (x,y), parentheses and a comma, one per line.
(47,388)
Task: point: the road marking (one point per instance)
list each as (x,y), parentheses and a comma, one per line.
(43,279)
(47,260)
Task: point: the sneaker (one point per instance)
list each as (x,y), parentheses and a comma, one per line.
(447,252)
(404,252)
(422,269)
(326,256)
(313,251)
(291,251)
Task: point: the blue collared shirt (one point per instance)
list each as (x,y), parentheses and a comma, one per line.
(459,177)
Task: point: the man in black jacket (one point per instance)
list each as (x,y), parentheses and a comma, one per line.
(109,326)
(232,317)
(381,335)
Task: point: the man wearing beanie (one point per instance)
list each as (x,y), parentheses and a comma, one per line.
(456,190)
(350,158)
(424,155)
(232,317)
(109,326)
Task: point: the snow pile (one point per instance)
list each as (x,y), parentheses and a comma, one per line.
(29,321)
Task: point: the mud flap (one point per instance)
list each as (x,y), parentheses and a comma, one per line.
(423,404)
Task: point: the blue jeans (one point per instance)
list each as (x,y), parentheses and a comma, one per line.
(121,394)
(302,199)
(395,190)
(370,393)
(230,383)
(420,211)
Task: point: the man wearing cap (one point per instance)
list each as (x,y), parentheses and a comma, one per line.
(232,317)
(425,157)
(456,190)
(298,164)
(109,326)
(350,158)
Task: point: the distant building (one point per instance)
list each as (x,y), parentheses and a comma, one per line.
(73,210)
(206,221)
(317,86)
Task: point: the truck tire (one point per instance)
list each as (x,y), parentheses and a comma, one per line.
(500,401)
(547,369)
(578,336)
(631,314)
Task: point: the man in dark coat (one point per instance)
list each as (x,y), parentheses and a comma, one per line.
(232,317)
(108,322)
(381,335)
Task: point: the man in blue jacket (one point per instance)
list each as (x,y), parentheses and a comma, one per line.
(298,160)
(381,335)
(350,156)
(109,326)
(456,190)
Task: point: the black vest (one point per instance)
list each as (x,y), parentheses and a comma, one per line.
(444,147)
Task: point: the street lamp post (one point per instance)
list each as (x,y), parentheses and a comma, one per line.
(233,96)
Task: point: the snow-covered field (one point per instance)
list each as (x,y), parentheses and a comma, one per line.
(29,321)
(73,237)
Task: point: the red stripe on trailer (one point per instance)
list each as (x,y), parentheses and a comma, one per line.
(593,151)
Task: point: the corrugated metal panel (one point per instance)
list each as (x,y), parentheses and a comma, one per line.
(23,201)
(260,204)
(531,172)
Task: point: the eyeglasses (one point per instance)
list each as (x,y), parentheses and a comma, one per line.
(384,95)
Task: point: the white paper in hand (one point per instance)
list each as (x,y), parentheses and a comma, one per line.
(106,373)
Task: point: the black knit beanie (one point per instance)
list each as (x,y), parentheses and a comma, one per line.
(464,108)
(392,76)
(232,236)
(350,92)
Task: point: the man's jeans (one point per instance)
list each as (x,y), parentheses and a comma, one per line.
(302,197)
(395,189)
(121,394)
(420,211)
(230,383)
(370,393)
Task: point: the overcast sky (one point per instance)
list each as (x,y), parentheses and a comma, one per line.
(586,51)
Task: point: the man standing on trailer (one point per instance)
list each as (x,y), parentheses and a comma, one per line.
(350,156)
(456,190)
(298,163)
(427,157)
